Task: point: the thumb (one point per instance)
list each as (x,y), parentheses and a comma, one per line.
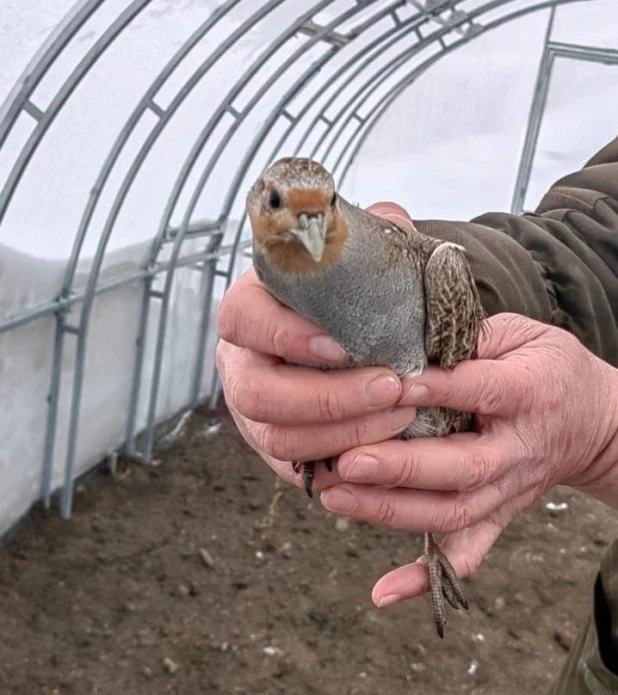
(393,213)
(496,384)
(465,549)
(479,386)
(505,333)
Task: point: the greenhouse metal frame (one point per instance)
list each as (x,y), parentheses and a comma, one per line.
(427,31)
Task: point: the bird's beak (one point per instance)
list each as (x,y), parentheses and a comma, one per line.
(311,233)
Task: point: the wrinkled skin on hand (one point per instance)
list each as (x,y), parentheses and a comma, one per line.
(288,412)
(547,414)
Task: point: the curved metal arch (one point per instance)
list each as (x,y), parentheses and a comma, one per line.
(408,80)
(41,63)
(214,252)
(97,263)
(45,118)
(384,71)
(157,244)
(279,110)
(145,103)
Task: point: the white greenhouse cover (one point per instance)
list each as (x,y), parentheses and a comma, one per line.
(448,148)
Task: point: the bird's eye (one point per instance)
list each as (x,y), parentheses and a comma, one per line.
(275,200)
(333,200)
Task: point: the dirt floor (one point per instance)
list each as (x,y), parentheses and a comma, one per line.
(203,575)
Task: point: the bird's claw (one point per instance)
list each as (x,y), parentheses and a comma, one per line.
(444,583)
(307,470)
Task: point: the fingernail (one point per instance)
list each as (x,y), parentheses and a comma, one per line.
(416,394)
(325,348)
(401,417)
(362,467)
(388,600)
(383,390)
(338,499)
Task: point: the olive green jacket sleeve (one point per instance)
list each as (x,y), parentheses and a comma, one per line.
(559,264)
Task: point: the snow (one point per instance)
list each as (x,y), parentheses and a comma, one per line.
(26,361)
(449,147)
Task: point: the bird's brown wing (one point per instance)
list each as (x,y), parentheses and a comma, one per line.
(454,310)
(454,317)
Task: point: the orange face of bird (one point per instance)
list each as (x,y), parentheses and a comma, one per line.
(295,216)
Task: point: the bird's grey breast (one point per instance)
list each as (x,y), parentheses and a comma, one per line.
(375,310)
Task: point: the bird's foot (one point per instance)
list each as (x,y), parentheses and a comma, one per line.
(444,583)
(307,468)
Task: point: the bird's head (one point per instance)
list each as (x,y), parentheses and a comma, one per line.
(296,217)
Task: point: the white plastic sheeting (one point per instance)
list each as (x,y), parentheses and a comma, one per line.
(26,361)
(449,148)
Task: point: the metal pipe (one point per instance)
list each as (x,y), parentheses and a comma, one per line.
(203,334)
(146,102)
(69,86)
(378,110)
(206,261)
(52,414)
(44,58)
(190,161)
(537,106)
(100,253)
(66,303)
(596,54)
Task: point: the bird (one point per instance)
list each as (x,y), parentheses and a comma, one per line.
(389,295)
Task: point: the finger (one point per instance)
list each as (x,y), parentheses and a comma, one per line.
(486,387)
(459,462)
(505,333)
(496,384)
(419,511)
(264,390)
(465,549)
(251,317)
(282,468)
(392,212)
(312,442)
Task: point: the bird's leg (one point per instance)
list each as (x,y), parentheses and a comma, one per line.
(307,468)
(443,582)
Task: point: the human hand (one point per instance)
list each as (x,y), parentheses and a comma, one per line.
(547,414)
(289,412)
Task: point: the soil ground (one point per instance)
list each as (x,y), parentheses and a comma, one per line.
(204,575)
